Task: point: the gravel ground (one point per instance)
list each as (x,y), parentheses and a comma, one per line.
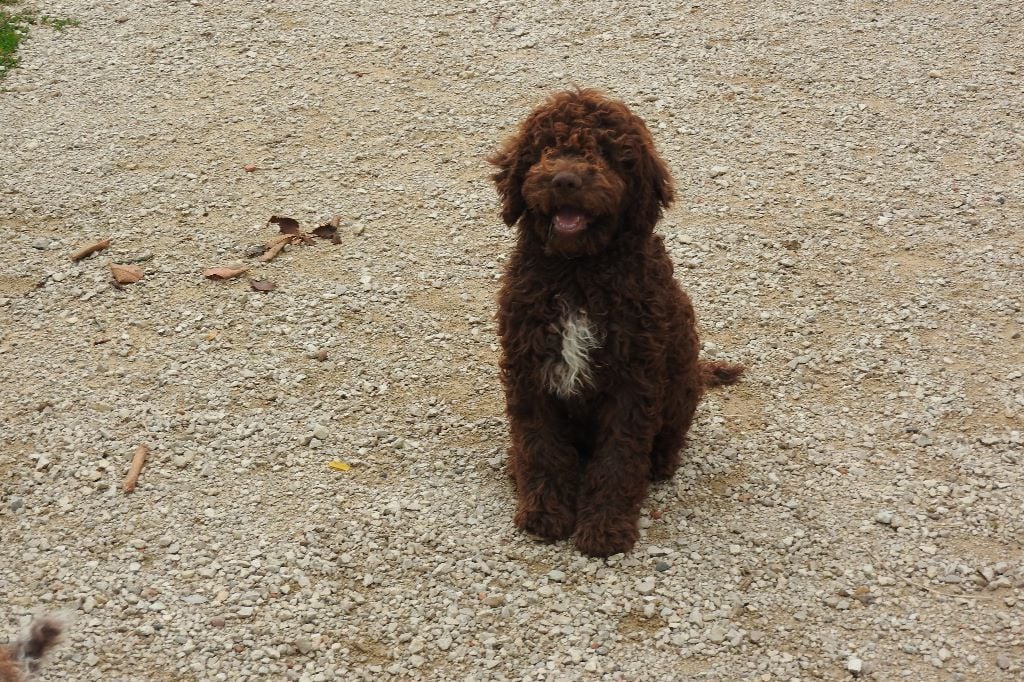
(848,222)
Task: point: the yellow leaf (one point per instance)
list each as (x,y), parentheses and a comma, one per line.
(338,465)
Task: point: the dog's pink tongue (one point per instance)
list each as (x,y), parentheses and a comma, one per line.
(569,221)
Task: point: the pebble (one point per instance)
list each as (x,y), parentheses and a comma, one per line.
(1003,662)
(182,461)
(494,600)
(716,171)
(854,664)
(645,586)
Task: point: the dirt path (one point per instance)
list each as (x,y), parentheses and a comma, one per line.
(848,223)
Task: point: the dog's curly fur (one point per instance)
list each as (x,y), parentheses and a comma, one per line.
(599,342)
(20,660)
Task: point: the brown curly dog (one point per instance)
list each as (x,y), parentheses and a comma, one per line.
(599,342)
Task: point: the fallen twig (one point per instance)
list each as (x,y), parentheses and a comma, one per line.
(133,474)
(90,249)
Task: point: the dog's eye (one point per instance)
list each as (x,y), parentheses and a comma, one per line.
(624,157)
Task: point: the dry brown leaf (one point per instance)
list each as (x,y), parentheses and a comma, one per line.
(90,249)
(277,240)
(272,251)
(329,230)
(262,285)
(285,224)
(223,273)
(126,274)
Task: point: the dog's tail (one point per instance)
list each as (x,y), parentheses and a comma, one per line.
(43,634)
(717,373)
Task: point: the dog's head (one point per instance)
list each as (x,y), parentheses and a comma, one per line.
(581,173)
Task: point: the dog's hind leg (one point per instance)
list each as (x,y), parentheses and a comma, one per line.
(668,443)
(683,392)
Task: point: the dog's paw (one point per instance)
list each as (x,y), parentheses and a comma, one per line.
(548,525)
(605,540)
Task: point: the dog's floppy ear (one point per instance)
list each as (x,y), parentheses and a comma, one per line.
(653,180)
(509,179)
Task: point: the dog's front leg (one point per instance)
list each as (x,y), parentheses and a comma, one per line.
(545,467)
(616,478)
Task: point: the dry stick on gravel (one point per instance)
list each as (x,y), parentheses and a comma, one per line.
(90,249)
(133,474)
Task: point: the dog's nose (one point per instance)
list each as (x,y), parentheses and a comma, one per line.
(566,181)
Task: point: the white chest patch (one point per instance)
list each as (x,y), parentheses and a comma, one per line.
(570,371)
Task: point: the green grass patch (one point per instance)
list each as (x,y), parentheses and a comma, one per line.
(55,23)
(14,27)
